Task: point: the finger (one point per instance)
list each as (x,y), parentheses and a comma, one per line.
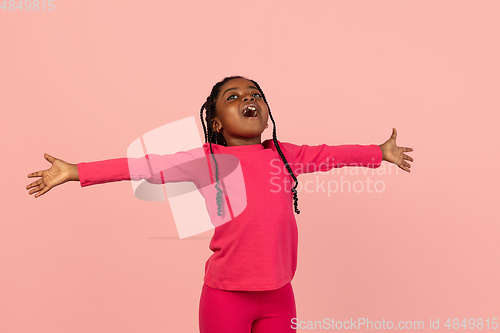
(405,169)
(49,158)
(36,189)
(406,157)
(394,134)
(36,174)
(406,164)
(38,182)
(407,149)
(45,190)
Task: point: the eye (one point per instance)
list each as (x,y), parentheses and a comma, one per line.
(258,94)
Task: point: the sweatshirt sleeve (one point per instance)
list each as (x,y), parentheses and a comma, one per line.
(156,169)
(307,159)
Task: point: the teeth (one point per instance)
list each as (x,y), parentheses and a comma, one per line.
(250,110)
(250,113)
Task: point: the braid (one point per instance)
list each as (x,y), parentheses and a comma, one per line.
(275,140)
(212,136)
(201,117)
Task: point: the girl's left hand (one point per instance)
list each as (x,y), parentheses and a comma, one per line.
(394,154)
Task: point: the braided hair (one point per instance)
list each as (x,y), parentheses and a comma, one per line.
(212,136)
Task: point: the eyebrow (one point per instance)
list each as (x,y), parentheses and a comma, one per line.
(250,87)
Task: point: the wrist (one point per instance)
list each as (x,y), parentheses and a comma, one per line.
(382,150)
(73,173)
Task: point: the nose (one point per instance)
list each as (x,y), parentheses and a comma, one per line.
(246,98)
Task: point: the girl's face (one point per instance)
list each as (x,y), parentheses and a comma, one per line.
(233,122)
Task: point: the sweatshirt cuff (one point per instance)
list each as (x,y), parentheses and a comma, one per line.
(377,160)
(82,174)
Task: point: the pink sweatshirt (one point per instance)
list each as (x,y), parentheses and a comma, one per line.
(257,249)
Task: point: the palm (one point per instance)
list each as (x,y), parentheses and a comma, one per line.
(395,154)
(57,174)
(54,176)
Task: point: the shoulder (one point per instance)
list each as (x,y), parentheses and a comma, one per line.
(206,146)
(269,143)
(290,151)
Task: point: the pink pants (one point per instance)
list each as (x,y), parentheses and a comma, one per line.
(225,311)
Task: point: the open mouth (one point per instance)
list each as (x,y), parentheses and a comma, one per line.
(250,111)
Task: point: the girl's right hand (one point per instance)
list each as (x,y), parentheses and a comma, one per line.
(59,173)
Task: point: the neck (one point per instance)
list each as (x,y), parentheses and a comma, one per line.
(243,141)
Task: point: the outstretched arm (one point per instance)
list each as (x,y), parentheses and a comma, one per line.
(394,154)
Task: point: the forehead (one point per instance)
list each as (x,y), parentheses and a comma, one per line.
(236,83)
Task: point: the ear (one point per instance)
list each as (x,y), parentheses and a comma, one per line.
(216,125)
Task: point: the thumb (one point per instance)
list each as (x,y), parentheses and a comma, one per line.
(49,158)
(394,134)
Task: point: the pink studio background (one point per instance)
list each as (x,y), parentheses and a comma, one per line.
(85,80)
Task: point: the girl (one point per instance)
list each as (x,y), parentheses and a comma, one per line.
(247,283)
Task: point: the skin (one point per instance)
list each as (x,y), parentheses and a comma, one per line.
(394,154)
(59,173)
(236,129)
